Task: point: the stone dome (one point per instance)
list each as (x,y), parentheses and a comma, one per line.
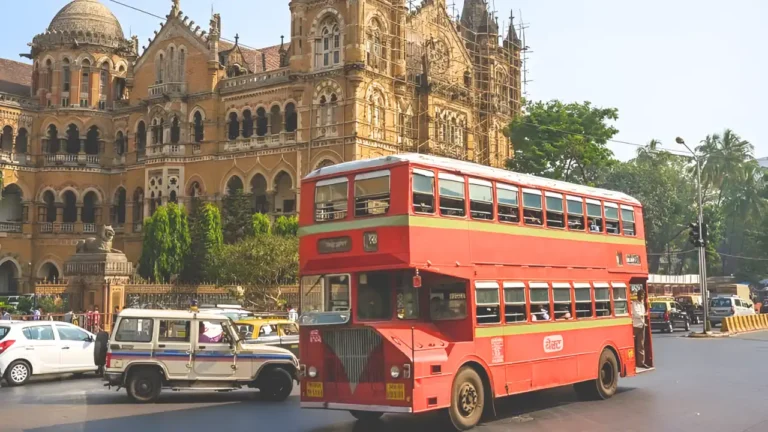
(87,16)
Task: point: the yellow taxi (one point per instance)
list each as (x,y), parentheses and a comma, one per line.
(271,330)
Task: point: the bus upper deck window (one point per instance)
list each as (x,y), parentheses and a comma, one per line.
(372,193)
(595,216)
(423,191)
(575,213)
(509,208)
(480,199)
(583,296)
(555,215)
(532,210)
(628,220)
(612,218)
(331,199)
(451,195)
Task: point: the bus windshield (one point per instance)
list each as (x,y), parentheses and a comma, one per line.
(325,299)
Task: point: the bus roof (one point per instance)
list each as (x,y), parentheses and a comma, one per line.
(473,169)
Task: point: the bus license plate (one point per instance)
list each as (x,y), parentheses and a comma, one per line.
(315,389)
(395,391)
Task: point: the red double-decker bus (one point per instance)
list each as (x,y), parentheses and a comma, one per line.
(430,283)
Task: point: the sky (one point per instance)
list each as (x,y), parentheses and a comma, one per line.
(673,68)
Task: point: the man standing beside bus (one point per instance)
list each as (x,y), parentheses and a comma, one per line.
(638,327)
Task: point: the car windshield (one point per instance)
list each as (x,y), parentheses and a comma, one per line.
(684,300)
(721,302)
(659,306)
(4,331)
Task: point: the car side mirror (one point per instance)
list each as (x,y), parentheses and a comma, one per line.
(90,338)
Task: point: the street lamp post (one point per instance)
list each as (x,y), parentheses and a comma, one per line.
(702,252)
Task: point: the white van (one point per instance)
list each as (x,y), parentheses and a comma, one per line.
(726,306)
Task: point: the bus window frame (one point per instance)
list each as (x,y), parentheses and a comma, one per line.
(430,174)
(392,296)
(607,286)
(542,208)
(483,183)
(620,286)
(330,182)
(452,178)
(588,288)
(526,312)
(584,222)
(508,188)
(622,209)
(488,286)
(612,205)
(562,211)
(563,286)
(598,203)
(540,286)
(368,176)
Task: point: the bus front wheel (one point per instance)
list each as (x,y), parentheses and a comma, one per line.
(607,381)
(467,399)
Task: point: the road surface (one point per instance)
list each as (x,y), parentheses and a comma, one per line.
(703,385)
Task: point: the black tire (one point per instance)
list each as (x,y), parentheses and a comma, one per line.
(275,384)
(366,416)
(606,383)
(100,349)
(144,385)
(18,373)
(467,400)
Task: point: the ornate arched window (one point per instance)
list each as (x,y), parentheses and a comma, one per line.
(175,130)
(291,118)
(328,44)
(85,84)
(234,126)
(376,53)
(66,77)
(376,114)
(199,128)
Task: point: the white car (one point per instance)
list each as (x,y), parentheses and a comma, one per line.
(43,347)
(726,306)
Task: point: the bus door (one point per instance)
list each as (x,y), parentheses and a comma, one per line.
(636,284)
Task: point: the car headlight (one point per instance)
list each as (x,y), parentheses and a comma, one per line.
(312,372)
(395,372)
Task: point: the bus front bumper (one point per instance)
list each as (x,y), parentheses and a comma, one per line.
(356,407)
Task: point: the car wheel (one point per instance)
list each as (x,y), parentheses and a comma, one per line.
(275,384)
(18,373)
(144,385)
(467,400)
(100,349)
(604,387)
(366,416)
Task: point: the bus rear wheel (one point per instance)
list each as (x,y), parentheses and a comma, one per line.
(467,400)
(607,381)
(366,416)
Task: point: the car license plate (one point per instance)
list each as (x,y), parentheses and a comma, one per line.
(395,391)
(315,389)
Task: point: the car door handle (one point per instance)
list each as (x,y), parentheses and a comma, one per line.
(201,347)
(29,348)
(161,346)
(65,347)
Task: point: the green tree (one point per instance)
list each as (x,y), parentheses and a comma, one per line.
(154,262)
(178,228)
(206,237)
(237,216)
(286,226)
(562,141)
(261,224)
(261,264)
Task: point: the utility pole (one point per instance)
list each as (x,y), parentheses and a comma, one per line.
(700,243)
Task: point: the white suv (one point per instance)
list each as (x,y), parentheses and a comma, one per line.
(43,347)
(185,350)
(725,306)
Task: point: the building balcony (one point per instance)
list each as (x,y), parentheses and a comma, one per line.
(66,228)
(259,142)
(166,150)
(169,89)
(14,158)
(10,227)
(71,159)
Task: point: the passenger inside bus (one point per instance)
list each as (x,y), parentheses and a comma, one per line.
(541,315)
(562,312)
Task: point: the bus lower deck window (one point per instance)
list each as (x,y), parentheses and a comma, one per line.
(487,301)
(602,302)
(423,192)
(480,199)
(612,218)
(374,296)
(628,220)
(532,210)
(451,195)
(575,214)
(508,206)
(595,216)
(555,215)
(514,303)
(583,300)
(540,307)
(561,296)
(620,300)
(448,301)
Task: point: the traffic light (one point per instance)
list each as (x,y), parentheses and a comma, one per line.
(704,234)
(693,234)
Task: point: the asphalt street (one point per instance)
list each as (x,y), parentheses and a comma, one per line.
(703,385)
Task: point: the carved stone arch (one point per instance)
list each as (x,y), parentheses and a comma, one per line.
(245,108)
(120,63)
(51,58)
(324,155)
(84,56)
(327,86)
(323,14)
(376,14)
(257,170)
(19,271)
(135,127)
(60,197)
(74,121)
(375,86)
(235,171)
(26,193)
(196,109)
(281,166)
(51,259)
(195,178)
(95,189)
(235,110)
(289,101)
(43,190)
(105,59)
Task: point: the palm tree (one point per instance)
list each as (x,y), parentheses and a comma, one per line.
(722,160)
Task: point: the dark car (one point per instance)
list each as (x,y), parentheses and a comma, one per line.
(691,304)
(668,315)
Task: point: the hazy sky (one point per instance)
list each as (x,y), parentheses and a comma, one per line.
(674,67)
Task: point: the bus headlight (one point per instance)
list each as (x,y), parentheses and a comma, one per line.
(395,372)
(312,372)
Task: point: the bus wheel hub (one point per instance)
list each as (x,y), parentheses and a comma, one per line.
(467,399)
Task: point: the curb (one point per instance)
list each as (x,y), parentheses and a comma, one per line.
(709,335)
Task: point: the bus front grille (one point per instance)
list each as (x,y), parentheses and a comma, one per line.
(353,355)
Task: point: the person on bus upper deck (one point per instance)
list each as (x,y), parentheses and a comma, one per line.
(638,327)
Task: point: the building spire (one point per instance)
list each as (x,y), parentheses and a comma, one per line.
(176,7)
(512,33)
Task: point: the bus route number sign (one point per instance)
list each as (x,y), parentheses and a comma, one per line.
(370,241)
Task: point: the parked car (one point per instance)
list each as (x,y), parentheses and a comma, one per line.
(30,348)
(668,315)
(727,306)
(692,304)
(275,332)
(152,350)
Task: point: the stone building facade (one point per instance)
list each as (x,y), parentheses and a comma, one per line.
(98,130)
